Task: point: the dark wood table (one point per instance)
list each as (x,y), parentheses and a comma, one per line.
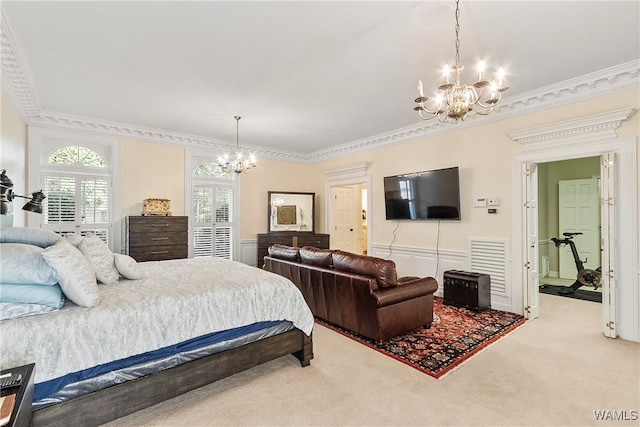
(21,414)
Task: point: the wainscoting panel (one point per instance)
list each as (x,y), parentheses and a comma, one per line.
(544,260)
(422,262)
(249,252)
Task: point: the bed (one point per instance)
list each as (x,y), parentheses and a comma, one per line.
(118,345)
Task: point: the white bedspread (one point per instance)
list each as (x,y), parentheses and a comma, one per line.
(177,300)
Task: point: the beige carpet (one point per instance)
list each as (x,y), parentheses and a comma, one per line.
(553,371)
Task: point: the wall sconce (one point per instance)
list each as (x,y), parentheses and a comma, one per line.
(7,195)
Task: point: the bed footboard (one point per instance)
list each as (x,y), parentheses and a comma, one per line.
(123,399)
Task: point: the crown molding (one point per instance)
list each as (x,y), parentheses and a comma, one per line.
(16,74)
(16,80)
(610,80)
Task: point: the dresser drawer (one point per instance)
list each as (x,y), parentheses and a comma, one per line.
(158,253)
(157,238)
(319,241)
(157,224)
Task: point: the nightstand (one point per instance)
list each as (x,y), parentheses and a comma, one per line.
(21,414)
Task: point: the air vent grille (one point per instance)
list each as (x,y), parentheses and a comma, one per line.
(489,256)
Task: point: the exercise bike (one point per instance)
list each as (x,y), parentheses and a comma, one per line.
(586,276)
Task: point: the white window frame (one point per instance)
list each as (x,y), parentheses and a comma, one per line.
(193,158)
(43,142)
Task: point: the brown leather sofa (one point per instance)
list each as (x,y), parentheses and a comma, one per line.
(357,292)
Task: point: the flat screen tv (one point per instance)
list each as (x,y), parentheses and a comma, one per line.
(426,195)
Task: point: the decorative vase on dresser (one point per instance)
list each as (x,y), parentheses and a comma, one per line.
(301,239)
(157,238)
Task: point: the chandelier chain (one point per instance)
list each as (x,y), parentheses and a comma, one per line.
(237,132)
(457,33)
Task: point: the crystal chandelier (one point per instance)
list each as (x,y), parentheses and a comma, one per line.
(456,99)
(239,164)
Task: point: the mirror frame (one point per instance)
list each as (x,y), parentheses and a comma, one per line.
(295,218)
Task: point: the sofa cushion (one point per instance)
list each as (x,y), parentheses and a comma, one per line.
(383,270)
(290,253)
(315,256)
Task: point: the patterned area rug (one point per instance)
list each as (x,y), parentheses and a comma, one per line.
(455,336)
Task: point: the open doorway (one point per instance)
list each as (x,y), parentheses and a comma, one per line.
(593,136)
(353,177)
(348,212)
(569,202)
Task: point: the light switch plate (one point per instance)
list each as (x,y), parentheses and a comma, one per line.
(493,201)
(479,202)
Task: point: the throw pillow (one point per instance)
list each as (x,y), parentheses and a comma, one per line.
(74,239)
(50,296)
(127,266)
(101,259)
(77,279)
(31,236)
(21,263)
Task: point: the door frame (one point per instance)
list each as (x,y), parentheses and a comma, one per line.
(560,143)
(348,175)
(356,219)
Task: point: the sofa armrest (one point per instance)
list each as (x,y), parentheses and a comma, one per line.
(408,288)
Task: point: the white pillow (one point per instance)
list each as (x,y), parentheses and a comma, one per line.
(74,239)
(77,279)
(127,266)
(101,259)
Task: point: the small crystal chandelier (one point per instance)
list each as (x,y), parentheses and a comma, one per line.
(457,99)
(239,164)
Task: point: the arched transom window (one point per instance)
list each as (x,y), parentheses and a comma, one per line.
(77,183)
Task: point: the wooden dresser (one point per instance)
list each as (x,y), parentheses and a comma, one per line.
(156,238)
(290,239)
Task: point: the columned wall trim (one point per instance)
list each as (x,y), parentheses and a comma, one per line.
(19,85)
(569,140)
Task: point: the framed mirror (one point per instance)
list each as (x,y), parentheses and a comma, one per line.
(290,211)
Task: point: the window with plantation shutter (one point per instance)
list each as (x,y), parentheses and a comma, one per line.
(212,212)
(78,199)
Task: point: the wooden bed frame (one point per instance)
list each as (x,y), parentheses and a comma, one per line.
(123,399)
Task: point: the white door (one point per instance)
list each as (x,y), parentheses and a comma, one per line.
(607,174)
(579,211)
(530,219)
(346,234)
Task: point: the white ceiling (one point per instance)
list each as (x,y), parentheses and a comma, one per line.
(304,75)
